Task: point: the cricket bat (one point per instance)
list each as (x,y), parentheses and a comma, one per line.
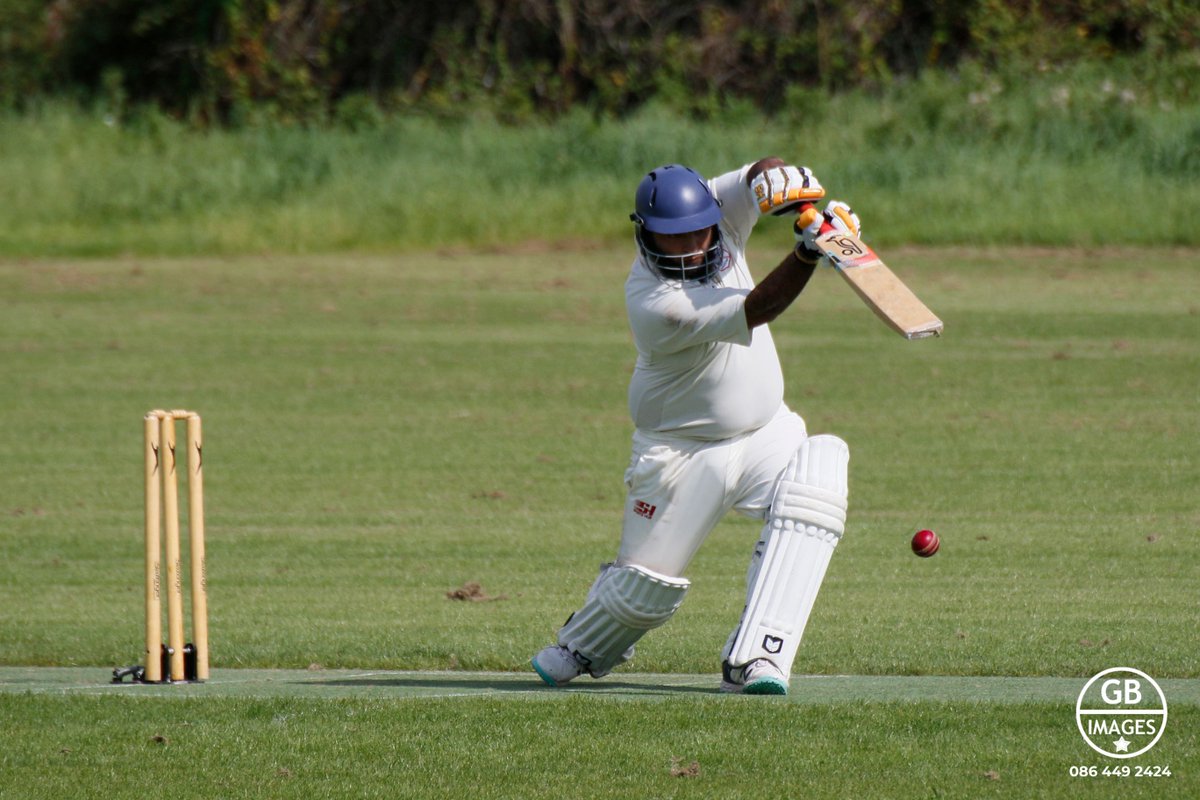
(875,284)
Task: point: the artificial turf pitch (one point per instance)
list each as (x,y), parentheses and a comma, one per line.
(414,684)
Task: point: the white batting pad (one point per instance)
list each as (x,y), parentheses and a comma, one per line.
(805,523)
(623,604)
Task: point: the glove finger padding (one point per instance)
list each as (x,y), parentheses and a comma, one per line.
(843,218)
(807,228)
(779,190)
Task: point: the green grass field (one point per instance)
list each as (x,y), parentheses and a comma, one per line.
(381,430)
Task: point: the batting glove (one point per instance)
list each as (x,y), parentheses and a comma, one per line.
(843,218)
(808,226)
(779,190)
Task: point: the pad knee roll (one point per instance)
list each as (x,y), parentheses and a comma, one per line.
(625,602)
(812,489)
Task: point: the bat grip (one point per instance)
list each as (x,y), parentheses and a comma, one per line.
(825,226)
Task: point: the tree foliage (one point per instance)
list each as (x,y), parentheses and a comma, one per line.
(224,59)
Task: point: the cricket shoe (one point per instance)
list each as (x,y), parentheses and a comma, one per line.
(557,666)
(758,677)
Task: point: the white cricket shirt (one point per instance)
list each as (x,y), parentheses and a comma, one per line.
(701,372)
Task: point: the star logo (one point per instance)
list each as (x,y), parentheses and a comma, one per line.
(1121,745)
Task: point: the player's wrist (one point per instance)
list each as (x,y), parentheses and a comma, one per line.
(805,256)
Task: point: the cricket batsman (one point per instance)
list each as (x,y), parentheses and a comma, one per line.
(712,430)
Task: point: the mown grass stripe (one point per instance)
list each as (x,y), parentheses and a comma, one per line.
(399,685)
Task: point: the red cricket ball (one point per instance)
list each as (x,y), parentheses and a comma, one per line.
(925,543)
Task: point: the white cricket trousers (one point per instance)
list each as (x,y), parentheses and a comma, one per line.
(679,489)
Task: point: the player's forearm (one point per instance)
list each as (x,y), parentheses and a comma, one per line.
(762,165)
(778,290)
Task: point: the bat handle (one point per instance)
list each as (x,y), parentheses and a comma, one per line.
(806,207)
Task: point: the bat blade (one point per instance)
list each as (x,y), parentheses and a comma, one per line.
(878,286)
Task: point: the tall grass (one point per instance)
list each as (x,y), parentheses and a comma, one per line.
(1091,156)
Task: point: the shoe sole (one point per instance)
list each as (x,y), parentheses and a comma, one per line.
(542,674)
(766,686)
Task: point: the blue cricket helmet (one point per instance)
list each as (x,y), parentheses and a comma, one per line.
(675,199)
